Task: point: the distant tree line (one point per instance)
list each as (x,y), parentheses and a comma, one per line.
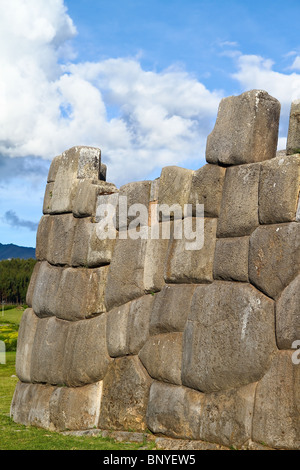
(15,276)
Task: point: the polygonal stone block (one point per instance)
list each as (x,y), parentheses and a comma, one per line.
(162,357)
(239,208)
(293,139)
(174,411)
(185,265)
(229,338)
(44,297)
(246,129)
(231,259)
(26,334)
(226,417)
(279,190)
(125,395)
(170,308)
(274,257)
(206,188)
(276,420)
(174,188)
(288,315)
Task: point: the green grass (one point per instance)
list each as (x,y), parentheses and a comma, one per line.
(18,437)
(11,316)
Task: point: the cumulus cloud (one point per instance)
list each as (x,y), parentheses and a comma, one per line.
(140,119)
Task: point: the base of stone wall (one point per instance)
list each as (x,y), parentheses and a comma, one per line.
(161,443)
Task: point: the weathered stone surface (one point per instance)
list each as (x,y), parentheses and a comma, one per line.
(288,315)
(57,352)
(30,405)
(174,411)
(154,264)
(86,197)
(136,193)
(231,259)
(60,239)
(81,293)
(229,338)
(81,240)
(84,204)
(132,332)
(246,130)
(206,188)
(47,205)
(274,257)
(226,417)
(26,336)
(54,169)
(42,237)
(125,280)
(65,184)
(174,188)
(100,251)
(125,395)
(186,265)
(86,358)
(293,139)
(162,357)
(66,401)
(103,172)
(32,282)
(171,308)
(239,208)
(89,162)
(279,190)
(276,420)
(44,297)
(48,351)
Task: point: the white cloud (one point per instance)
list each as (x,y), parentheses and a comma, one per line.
(141,120)
(296,64)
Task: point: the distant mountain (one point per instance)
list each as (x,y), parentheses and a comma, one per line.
(15,251)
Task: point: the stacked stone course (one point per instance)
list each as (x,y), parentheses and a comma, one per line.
(145,334)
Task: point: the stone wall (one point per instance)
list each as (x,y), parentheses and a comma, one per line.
(137,334)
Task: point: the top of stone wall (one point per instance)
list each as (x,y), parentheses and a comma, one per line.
(246,130)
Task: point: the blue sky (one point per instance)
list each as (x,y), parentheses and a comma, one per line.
(139,79)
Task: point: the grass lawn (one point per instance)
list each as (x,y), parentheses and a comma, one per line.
(17,437)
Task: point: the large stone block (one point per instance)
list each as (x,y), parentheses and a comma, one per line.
(162,357)
(65,402)
(276,420)
(231,259)
(174,411)
(46,286)
(65,184)
(185,265)
(171,308)
(89,162)
(274,257)
(206,188)
(279,189)
(42,237)
(132,330)
(174,188)
(293,139)
(154,264)
(136,193)
(125,280)
(99,251)
(81,293)
(48,197)
(26,334)
(85,199)
(30,290)
(48,351)
(226,417)
(125,395)
(53,169)
(30,405)
(288,315)
(246,130)
(60,239)
(239,208)
(229,338)
(86,358)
